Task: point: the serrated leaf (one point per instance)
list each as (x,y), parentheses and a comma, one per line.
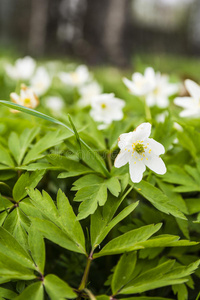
(57,288)
(128,241)
(26,180)
(158,199)
(56,235)
(114,186)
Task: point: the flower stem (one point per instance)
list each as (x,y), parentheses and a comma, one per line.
(147,112)
(109,160)
(86,272)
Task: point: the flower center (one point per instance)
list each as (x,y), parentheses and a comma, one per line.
(139,148)
(103,105)
(27,101)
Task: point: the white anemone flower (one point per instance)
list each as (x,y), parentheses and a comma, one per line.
(54,103)
(22,70)
(140,151)
(159,96)
(77,78)
(106,108)
(26,98)
(191,104)
(88,92)
(140,84)
(41,81)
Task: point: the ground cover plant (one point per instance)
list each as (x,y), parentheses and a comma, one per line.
(99,182)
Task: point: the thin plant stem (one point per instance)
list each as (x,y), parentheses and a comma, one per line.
(86,272)
(109,160)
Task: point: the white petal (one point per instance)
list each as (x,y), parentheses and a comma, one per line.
(125,139)
(121,159)
(142,131)
(193,88)
(156,147)
(189,113)
(136,170)
(149,73)
(129,84)
(150,100)
(186,102)
(156,164)
(163,102)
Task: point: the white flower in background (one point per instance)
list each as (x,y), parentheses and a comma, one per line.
(54,103)
(140,151)
(77,78)
(106,108)
(41,81)
(160,118)
(22,70)
(141,84)
(26,98)
(88,92)
(159,96)
(191,104)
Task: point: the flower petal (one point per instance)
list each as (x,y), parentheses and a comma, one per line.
(156,164)
(193,88)
(156,147)
(125,139)
(121,159)
(142,131)
(136,170)
(185,102)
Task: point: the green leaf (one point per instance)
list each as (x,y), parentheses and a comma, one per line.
(96,194)
(17,223)
(34,291)
(123,271)
(49,140)
(57,288)
(37,248)
(56,235)
(181,291)
(10,246)
(68,220)
(26,180)
(63,217)
(5,157)
(146,298)
(102,217)
(76,135)
(99,234)
(129,241)
(162,275)
(47,118)
(114,186)
(8,294)
(158,199)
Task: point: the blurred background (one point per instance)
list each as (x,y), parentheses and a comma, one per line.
(100,31)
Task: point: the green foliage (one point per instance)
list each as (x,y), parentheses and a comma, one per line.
(69,218)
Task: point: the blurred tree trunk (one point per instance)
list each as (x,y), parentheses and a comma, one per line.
(38,27)
(114,28)
(6,14)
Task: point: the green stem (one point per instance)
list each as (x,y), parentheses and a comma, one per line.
(86,273)
(109,161)
(147,112)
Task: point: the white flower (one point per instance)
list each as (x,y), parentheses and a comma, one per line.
(106,108)
(22,70)
(140,151)
(54,103)
(26,98)
(191,104)
(41,81)
(160,118)
(77,78)
(161,92)
(88,92)
(141,84)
